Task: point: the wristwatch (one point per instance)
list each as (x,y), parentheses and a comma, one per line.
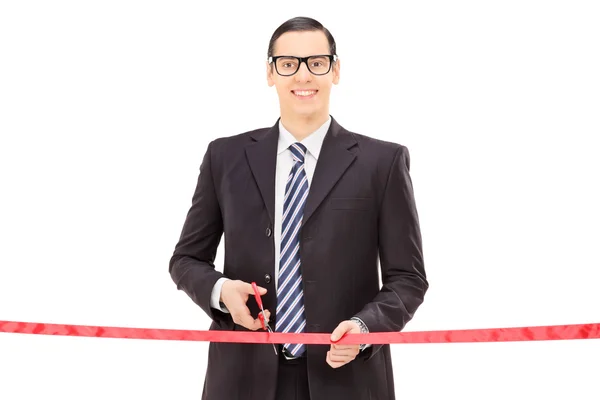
(363,329)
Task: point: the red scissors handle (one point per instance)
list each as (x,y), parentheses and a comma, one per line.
(262,320)
(257,296)
(261,315)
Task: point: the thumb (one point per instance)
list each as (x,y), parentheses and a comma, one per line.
(341,329)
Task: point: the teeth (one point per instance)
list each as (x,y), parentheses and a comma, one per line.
(304,92)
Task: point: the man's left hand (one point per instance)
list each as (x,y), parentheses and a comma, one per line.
(341,354)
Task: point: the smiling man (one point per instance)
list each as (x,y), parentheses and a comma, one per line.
(311,212)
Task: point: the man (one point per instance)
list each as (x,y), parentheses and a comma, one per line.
(307,209)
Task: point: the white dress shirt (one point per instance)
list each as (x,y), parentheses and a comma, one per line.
(285,162)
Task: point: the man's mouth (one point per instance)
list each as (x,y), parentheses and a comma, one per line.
(304,94)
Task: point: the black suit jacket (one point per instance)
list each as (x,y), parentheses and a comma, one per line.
(360,210)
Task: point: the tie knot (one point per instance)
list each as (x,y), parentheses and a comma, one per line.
(298,151)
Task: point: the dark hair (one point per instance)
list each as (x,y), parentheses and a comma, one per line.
(301,24)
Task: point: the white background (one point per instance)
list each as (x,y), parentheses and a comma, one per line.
(106,109)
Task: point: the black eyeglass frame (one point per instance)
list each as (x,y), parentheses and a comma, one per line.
(332,60)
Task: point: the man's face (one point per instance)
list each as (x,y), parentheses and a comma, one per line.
(303,94)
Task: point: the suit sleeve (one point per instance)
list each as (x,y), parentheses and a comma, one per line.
(192,263)
(404,282)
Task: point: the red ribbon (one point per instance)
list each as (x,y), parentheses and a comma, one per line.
(551,332)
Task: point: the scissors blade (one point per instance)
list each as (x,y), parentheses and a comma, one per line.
(271,331)
(267,327)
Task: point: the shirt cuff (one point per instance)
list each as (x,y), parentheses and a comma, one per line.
(215,296)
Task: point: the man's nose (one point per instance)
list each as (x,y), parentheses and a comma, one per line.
(303,74)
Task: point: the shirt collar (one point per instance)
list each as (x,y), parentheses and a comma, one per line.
(313,142)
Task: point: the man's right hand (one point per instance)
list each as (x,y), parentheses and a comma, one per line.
(235,293)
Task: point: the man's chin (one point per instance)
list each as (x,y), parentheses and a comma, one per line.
(307,111)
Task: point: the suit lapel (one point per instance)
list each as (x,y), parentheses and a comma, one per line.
(262,158)
(334,160)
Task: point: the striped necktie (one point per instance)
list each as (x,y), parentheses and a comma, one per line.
(290,297)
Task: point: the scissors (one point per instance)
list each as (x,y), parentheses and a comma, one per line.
(261,314)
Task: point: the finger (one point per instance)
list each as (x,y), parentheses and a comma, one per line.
(253,324)
(267,315)
(256,325)
(333,364)
(247,321)
(350,352)
(344,346)
(344,358)
(341,329)
(344,353)
(248,289)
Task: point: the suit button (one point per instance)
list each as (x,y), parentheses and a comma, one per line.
(267,278)
(268,232)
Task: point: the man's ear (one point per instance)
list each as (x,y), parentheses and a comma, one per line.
(336,72)
(270,80)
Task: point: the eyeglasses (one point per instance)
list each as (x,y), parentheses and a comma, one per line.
(289,65)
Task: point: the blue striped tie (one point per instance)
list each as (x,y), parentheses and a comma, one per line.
(290,297)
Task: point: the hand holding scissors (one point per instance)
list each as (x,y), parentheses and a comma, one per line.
(262,316)
(234,296)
